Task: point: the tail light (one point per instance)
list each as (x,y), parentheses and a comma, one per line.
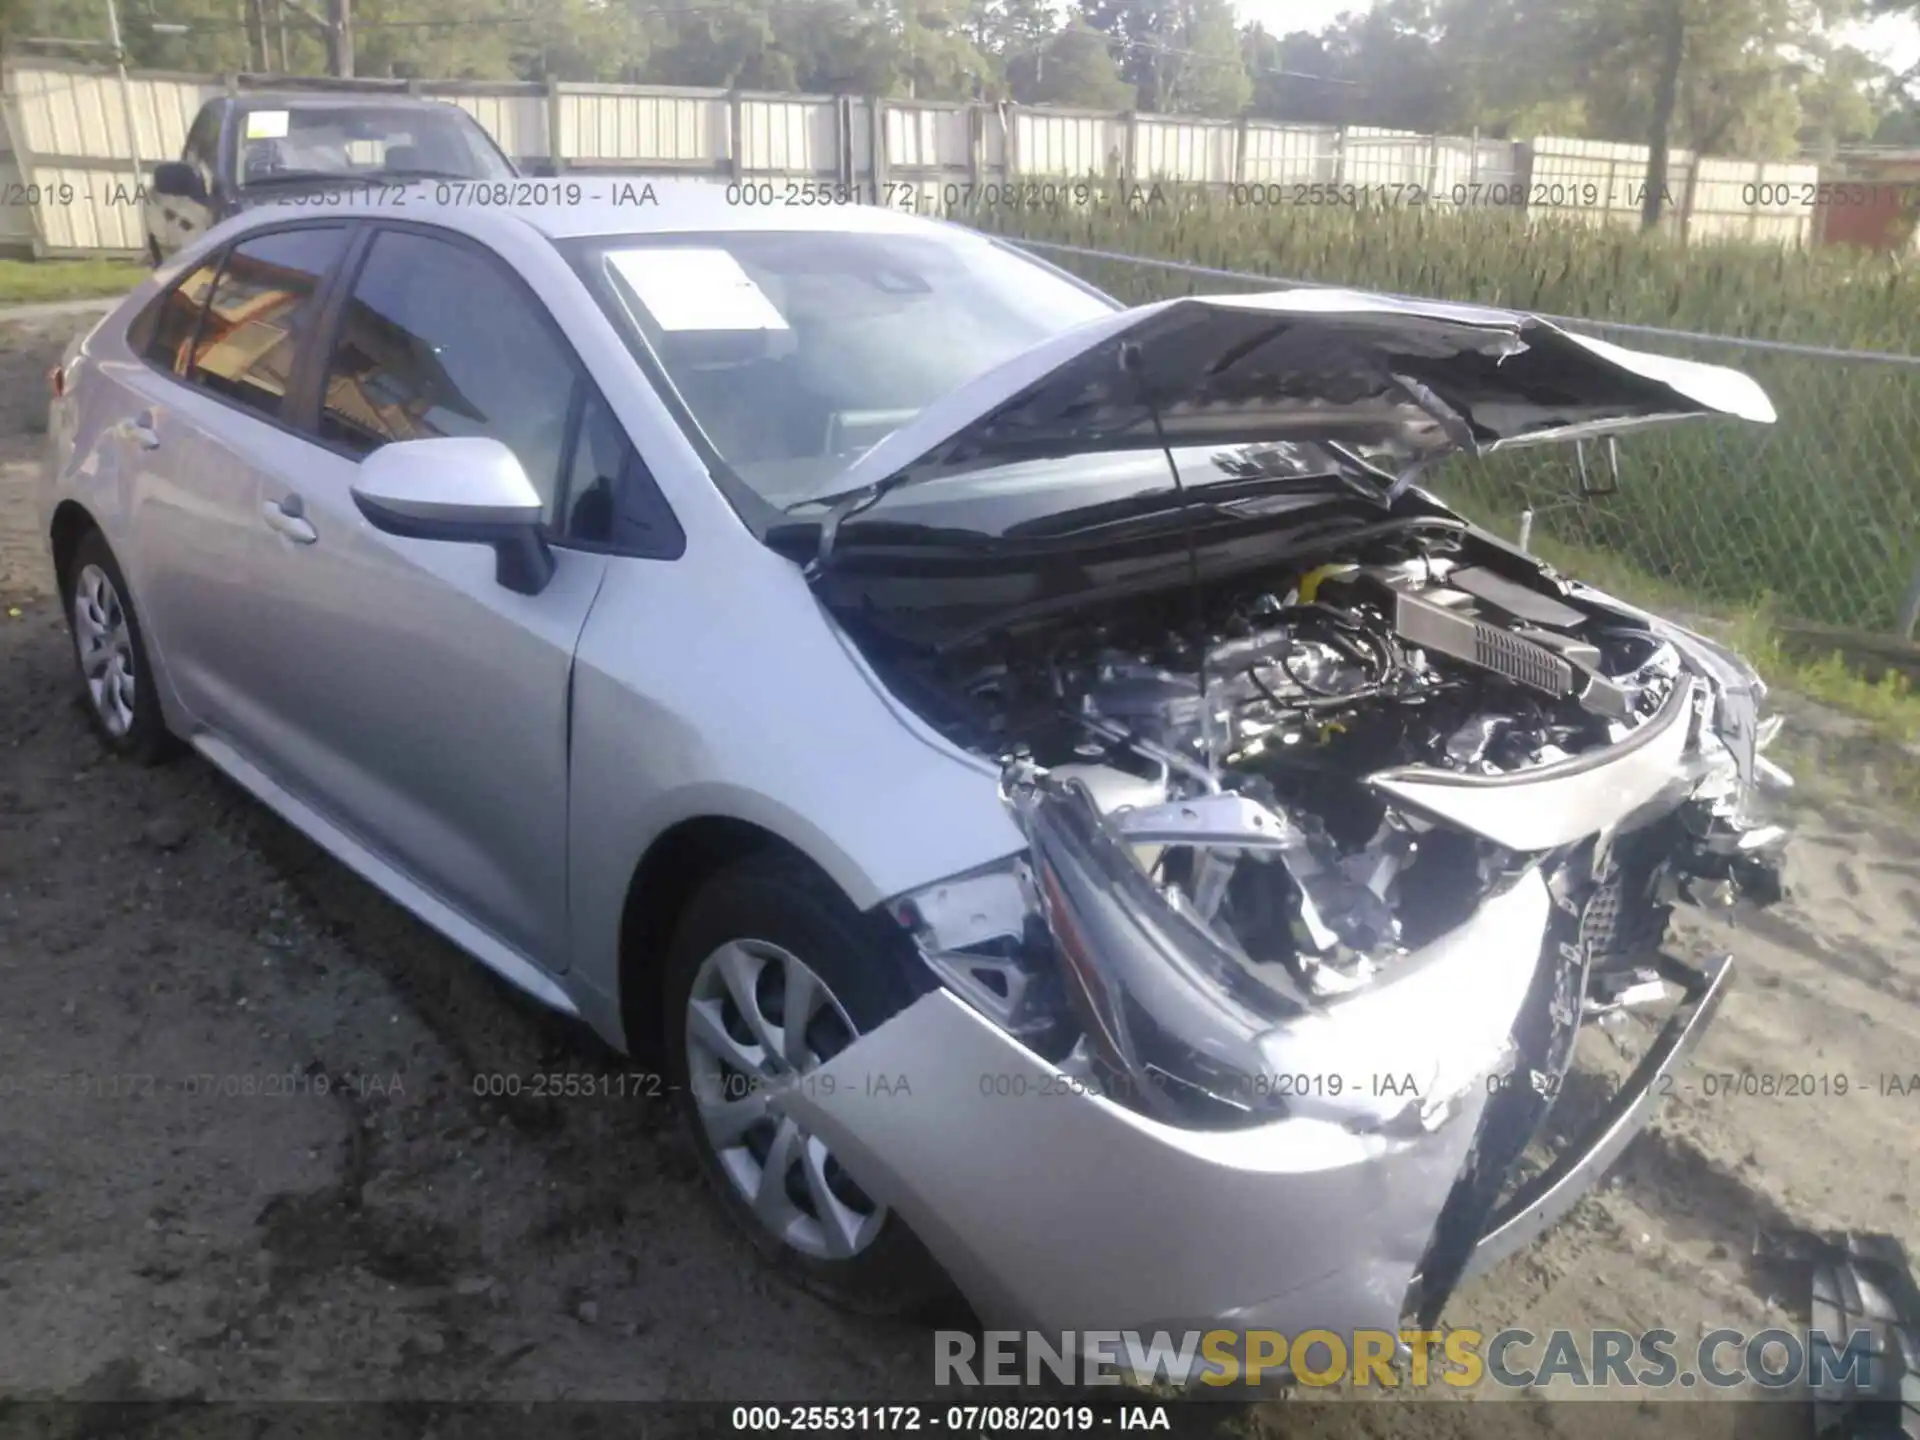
(57,381)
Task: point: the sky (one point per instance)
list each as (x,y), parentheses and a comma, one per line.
(1895,40)
(1282,17)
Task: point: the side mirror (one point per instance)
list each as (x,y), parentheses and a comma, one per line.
(469,490)
(177,178)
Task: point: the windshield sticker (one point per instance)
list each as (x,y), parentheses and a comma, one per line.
(692,289)
(267,124)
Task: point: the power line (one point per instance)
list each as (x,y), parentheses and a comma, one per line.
(211,27)
(1126,47)
(207,27)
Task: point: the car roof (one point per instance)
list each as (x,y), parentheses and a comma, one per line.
(611,205)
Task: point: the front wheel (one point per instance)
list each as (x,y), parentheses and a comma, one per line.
(772,973)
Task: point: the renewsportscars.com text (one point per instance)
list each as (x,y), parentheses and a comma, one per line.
(1768,1360)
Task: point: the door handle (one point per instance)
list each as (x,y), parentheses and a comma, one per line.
(288,517)
(142,432)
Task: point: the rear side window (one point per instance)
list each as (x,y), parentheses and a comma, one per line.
(439,340)
(164,332)
(246,345)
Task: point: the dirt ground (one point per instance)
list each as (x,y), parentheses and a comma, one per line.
(163,1233)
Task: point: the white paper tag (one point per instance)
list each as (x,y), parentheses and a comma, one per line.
(267,124)
(692,289)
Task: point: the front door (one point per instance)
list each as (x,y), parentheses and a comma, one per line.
(409,696)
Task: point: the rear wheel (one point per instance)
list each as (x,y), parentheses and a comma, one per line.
(772,973)
(110,651)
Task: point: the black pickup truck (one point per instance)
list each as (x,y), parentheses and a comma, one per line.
(245,150)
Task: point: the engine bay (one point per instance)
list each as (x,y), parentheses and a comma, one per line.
(1249,716)
(1352,667)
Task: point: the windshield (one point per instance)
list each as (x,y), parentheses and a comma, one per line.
(365,142)
(792,352)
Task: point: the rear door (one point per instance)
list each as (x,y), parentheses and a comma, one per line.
(394,684)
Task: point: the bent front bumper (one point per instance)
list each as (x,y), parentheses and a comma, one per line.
(1058,1209)
(1520,1219)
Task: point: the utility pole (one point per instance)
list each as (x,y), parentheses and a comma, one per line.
(126,90)
(1666,90)
(254,15)
(339,38)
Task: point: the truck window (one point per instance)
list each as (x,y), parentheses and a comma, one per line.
(203,145)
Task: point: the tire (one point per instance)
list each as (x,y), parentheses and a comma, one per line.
(774,911)
(154,258)
(110,656)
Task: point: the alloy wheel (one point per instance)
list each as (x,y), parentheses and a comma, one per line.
(105,642)
(758,1020)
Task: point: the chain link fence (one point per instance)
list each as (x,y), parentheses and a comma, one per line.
(1815,518)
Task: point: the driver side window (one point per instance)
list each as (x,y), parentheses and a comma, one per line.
(440,339)
(202,150)
(435,340)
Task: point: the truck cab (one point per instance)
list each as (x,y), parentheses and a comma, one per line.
(263,148)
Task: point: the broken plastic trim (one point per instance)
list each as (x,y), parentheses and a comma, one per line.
(1162,999)
(974,933)
(1525,1215)
(1229,821)
(1560,803)
(1187,1029)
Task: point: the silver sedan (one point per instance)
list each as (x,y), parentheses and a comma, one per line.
(1073,812)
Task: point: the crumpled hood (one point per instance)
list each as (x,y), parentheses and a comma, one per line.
(1416,379)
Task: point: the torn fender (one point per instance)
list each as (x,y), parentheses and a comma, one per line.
(1054,1208)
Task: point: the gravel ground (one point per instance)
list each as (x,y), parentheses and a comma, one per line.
(402,1236)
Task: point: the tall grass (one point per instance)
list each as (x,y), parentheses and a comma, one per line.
(1817,515)
(1558,264)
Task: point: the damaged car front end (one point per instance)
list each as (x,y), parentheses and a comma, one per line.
(1343,818)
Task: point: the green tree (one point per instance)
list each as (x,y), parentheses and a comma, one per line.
(1207,74)
(937,59)
(1012,35)
(1843,95)
(1074,68)
(839,48)
(697,44)
(1392,53)
(1179,55)
(921,49)
(433,39)
(581,40)
(1297,78)
(1510,67)
(1719,77)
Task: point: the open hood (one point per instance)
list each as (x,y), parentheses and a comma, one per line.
(1402,382)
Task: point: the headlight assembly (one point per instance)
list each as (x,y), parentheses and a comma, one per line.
(1074,949)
